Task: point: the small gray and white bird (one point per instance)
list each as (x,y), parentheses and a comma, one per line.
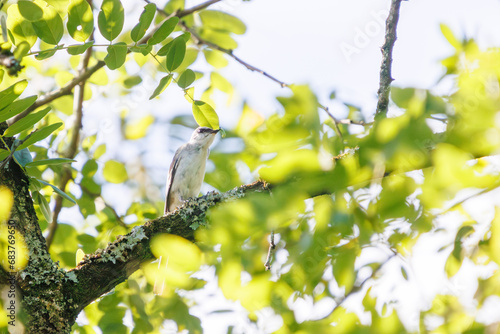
(187,169)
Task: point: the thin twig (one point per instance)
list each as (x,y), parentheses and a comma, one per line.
(196,8)
(270,252)
(362,284)
(72,149)
(385,68)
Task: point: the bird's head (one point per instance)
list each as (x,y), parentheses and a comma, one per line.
(203,136)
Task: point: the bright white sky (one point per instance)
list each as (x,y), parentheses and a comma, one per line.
(300,41)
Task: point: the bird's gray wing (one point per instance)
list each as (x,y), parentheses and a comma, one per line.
(171,174)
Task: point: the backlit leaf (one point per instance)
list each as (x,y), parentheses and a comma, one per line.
(163,31)
(26,122)
(80,20)
(50,27)
(164,82)
(49,162)
(40,135)
(218,20)
(7,96)
(111,19)
(205,115)
(114,172)
(16,107)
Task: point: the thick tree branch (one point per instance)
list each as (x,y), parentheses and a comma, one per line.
(100,272)
(385,69)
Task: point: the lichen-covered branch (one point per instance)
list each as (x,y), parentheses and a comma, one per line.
(386,67)
(100,272)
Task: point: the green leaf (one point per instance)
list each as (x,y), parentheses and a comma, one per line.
(79,49)
(132,81)
(450,37)
(110,19)
(20,28)
(139,128)
(59,191)
(176,53)
(205,115)
(80,20)
(49,162)
(221,21)
(174,5)
(30,11)
(186,78)
(221,38)
(16,108)
(40,135)
(21,50)
(164,30)
(221,83)
(46,54)
(144,22)
(145,49)
(43,204)
(7,96)
(215,58)
(117,54)
(26,122)
(114,172)
(164,82)
(3,154)
(50,27)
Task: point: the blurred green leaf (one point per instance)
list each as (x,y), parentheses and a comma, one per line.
(114,172)
(221,21)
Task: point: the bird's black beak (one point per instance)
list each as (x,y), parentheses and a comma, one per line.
(215,131)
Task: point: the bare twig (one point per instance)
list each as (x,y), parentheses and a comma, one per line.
(270,252)
(362,284)
(196,8)
(385,68)
(72,149)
